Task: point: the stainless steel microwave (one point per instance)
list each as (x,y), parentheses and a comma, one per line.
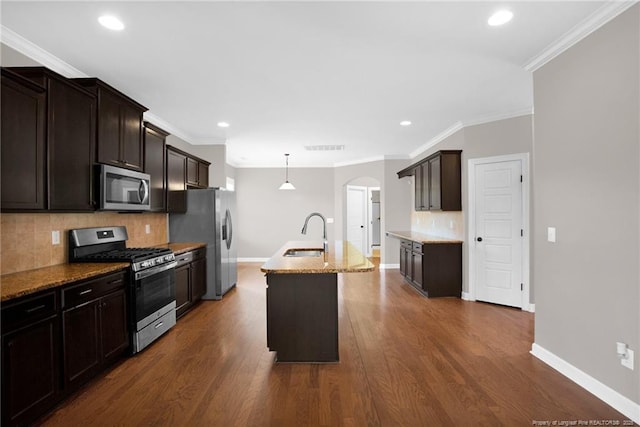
(122,189)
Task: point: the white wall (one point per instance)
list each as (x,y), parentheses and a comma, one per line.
(10,57)
(587,171)
(268,217)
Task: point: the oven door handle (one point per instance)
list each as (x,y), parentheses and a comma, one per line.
(155,270)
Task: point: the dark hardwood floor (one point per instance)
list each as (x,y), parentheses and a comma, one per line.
(404,361)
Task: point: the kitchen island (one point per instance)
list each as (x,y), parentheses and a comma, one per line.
(302,299)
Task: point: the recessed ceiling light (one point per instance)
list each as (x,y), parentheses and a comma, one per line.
(405,123)
(501,17)
(111,22)
(223,124)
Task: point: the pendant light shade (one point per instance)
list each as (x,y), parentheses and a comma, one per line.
(286,185)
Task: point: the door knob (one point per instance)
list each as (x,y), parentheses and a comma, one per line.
(479,239)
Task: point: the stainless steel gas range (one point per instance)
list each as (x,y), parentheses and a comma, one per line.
(152,295)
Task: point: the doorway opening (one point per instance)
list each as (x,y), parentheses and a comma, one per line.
(362,225)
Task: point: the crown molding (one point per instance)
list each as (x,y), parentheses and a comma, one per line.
(594,21)
(159,121)
(497,117)
(437,139)
(35,52)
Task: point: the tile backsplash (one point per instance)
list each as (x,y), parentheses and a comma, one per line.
(26,238)
(443,224)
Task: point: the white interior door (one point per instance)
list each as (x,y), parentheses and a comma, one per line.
(357,229)
(498,225)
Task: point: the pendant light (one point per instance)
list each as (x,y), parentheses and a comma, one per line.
(286,185)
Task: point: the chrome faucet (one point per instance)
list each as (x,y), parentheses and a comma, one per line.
(324,228)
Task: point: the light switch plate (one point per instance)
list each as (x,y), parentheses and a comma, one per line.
(55,237)
(147,229)
(551,234)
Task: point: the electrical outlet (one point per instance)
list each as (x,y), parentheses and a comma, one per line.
(628,361)
(329,220)
(55,237)
(451,224)
(147,229)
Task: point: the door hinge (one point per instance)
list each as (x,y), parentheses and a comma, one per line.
(521,232)
(522,286)
(520,178)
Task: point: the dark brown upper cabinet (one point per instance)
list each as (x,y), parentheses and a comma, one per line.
(23,120)
(120,130)
(176,180)
(437,181)
(69,143)
(155,159)
(197,172)
(184,171)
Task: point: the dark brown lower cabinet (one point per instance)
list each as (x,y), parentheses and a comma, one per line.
(434,269)
(191,279)
(302,317)
(199,277)
(94,327)
(56,340)
(182,289)
(30,357)
(81,343)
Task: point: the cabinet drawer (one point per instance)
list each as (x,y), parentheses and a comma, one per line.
(184,258)
(86,291)
(417,247)
(28,310)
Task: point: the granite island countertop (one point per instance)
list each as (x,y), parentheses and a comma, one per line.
(28,282)
(421,238)
(342,257)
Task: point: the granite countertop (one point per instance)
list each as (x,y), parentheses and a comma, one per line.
(23,283)
(342,257)
(421,238)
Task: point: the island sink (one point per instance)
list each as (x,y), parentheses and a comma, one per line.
(303,252)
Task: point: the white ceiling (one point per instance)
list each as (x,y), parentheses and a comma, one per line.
(290,74)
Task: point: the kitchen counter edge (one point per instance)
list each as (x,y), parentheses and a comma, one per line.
(342,257)
(23,283)
(425,239)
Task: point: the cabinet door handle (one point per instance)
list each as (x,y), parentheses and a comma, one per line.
(158,325)
(85,292)
(34,309)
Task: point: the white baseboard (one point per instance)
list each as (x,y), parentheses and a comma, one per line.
(531,308)
(389,267)
(466,296)
(253,259)
(620,403)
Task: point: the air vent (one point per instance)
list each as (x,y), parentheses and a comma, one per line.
(324,147)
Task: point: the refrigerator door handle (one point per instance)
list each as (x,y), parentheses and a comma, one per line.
(229,229)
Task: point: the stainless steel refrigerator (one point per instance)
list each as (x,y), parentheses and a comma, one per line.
(209,218)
